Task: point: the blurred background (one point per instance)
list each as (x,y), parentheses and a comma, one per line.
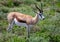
(47,30)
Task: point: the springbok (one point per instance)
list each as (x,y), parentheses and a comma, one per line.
(23,19)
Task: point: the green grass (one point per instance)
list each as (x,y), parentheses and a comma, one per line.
(47,30)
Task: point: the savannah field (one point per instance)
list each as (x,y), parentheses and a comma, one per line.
(47,30)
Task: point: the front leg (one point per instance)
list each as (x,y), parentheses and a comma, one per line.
(10,26)
(28,31)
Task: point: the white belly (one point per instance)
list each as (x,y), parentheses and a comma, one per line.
(19,23)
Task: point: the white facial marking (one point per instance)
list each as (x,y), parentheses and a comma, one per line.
(41,17)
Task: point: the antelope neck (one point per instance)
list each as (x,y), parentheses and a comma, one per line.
(36,18)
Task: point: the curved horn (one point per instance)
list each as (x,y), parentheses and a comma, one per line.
(39,8)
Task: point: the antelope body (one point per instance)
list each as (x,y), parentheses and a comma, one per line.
(23,19)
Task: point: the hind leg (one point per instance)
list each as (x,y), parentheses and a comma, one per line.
(10,26)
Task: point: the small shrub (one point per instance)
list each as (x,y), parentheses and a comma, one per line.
(4,9)
(29,2)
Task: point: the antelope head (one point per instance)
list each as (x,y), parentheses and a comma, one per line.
(40,12)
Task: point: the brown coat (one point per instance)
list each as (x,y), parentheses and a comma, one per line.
(22,18)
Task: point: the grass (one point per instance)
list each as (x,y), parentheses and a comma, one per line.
(47,30)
